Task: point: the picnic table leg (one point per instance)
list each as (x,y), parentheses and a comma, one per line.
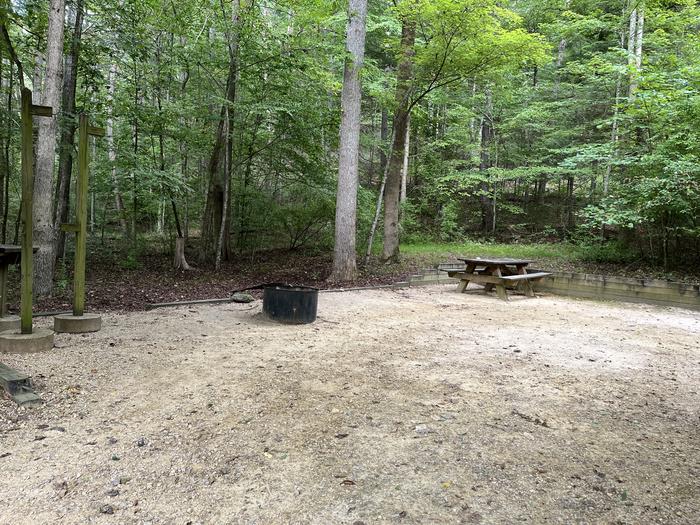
(465,282)
(500,288)
(526,284)
(490,270)
(501,291)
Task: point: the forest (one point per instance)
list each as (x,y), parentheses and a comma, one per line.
(355,129)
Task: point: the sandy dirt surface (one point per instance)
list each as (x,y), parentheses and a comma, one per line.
(407,406)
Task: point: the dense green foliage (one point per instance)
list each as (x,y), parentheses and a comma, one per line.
(584,145)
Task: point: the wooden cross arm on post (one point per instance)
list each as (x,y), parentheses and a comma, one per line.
(42,111)
(96,132)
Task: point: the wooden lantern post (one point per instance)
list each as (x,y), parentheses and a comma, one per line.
(27,261)
(79,321)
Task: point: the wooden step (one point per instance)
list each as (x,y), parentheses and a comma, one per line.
(18,385)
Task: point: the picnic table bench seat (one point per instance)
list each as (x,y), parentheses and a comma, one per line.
(528,276)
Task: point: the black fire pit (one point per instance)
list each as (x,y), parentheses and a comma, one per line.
(290,304)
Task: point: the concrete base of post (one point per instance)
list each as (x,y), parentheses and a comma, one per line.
(9,322)
(14,342)
(77,324)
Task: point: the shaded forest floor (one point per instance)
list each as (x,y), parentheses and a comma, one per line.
(116,283)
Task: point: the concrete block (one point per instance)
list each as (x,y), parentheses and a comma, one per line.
(13,342)
(77,324)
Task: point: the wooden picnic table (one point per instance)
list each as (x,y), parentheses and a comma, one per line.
(498,273)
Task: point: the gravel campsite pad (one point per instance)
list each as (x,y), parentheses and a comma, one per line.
(405,406)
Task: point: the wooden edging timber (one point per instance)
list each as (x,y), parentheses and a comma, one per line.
(590,286)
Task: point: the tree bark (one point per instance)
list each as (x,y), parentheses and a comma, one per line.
(345,252)
(392,191)
(65,155)
(45,237)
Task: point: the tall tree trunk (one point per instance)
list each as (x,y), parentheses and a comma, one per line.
(214,194)
(561,55)
(45,237)
(614,133)
(487,215)
(404,168)
(112,152)
(6,159)
(215,223)
(634,48)
(345,252)
(541,189)
(135,146)
(372,151)
(377,210)
(4,146)
(570,204)
(392,191)
(65,154)
(383,137)
(225,205)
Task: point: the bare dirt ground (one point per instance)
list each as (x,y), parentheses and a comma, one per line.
(407,406)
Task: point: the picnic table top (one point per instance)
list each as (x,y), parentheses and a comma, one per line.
(495,261)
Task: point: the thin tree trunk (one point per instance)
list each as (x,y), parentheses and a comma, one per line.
(372,151)
(392,191)
(613,137)
(404,169)
(570,203)
(485,163)
(6,185)
(45,237)
(214,214)
(345,252)
(135,145)
(615,131)
(383,136)
(541,189)
(222,248)
(223,230)
(561,55)
(634,48)
(4,149)
(377,209)
(112,151)
(65,155)
(214,196)
(184,153)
